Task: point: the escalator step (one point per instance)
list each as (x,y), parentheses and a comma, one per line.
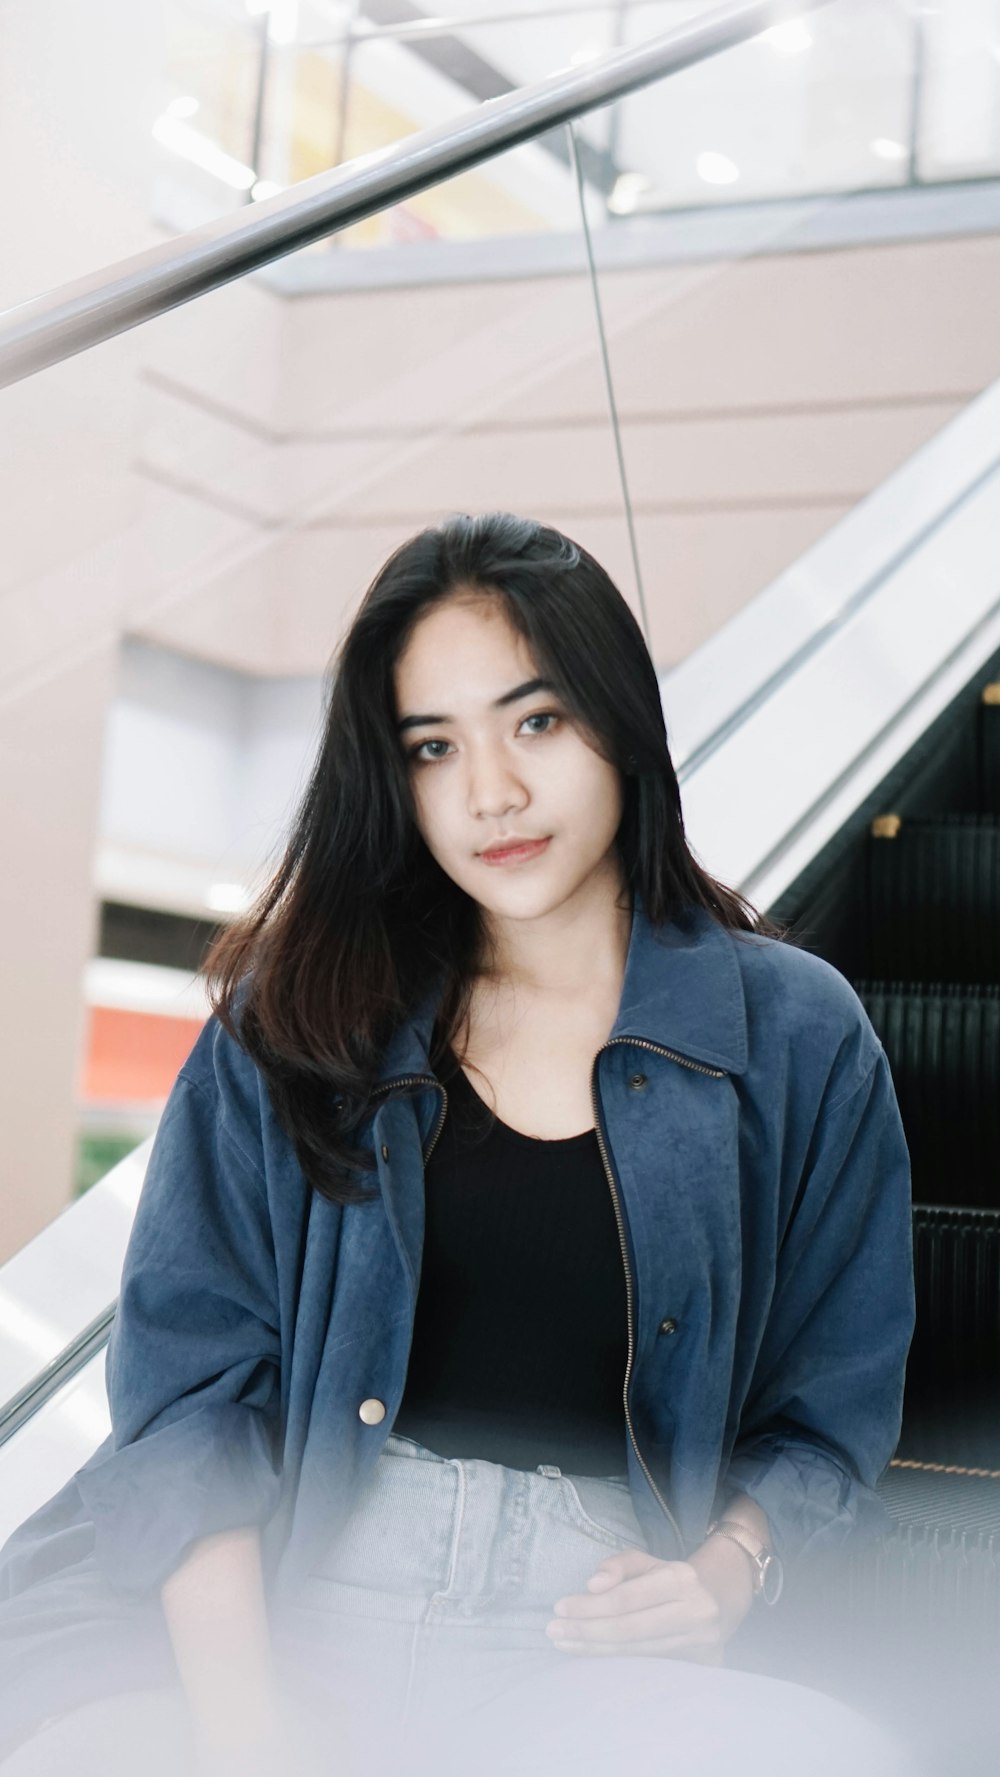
(934,898)
(940,1564)
(928,1502)
(943,1044)
(897,1623)
(953,1373)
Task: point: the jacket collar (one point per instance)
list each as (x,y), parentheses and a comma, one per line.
(682,990)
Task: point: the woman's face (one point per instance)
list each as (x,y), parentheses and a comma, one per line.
(494,757)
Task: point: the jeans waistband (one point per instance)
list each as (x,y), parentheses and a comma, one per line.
(400,1445)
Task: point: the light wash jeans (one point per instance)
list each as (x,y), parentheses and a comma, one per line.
(418,1647)
(421,1638)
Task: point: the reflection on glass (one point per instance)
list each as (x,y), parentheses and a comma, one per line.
(173,114)
(867,94)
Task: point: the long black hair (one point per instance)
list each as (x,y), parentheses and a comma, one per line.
(359,921)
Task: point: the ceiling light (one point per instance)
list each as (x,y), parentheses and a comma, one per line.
(227,897)
(717,169)
(790,39)
(626,192)
(588,52)
(181,139)
(264,188)
(283,25)
(182,107)
(887,149)
(283,19)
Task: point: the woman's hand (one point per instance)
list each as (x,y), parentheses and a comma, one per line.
(637,1604)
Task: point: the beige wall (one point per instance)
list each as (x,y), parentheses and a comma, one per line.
(759,402)
(75,196)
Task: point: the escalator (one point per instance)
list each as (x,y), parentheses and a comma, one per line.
(909,910)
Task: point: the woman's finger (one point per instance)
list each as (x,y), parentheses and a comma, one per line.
(626,1564)
(667,1582)
(698,1616)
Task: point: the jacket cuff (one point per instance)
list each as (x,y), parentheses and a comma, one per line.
(212,1470)
(811,1502)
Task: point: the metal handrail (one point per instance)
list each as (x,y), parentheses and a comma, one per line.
(28,1400)
(90,310)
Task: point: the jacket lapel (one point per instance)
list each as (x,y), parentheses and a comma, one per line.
(683,989)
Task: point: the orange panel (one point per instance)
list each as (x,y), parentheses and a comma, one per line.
(134,1055)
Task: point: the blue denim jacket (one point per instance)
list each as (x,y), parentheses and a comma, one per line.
(762,1182)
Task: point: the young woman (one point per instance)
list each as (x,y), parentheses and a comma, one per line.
(522,1272)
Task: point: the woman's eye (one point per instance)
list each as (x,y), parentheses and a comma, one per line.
(541,716)
(418,754)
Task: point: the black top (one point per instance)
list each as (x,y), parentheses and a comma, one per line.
(520,1341)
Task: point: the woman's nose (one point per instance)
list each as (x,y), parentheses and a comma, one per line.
(493,788)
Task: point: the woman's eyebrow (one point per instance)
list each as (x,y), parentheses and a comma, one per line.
(528,689)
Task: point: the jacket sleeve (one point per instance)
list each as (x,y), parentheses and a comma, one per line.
(824,1409)
(193,1363)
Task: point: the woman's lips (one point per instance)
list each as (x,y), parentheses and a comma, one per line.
(515,854)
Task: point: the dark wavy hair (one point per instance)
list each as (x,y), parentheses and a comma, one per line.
(359,921)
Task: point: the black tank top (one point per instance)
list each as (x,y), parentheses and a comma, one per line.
(520,1340)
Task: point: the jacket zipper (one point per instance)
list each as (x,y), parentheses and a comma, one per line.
(716,1073)
(420,1080)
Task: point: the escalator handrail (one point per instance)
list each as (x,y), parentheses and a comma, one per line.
(63,1368)
(83,313)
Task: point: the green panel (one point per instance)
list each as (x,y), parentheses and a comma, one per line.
(97,1153)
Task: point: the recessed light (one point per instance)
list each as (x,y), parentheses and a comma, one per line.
(888,149)
(227,897)
(717,169)
(628,189)
(791,39)
(190,144)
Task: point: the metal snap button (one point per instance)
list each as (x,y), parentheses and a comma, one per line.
(385,1152)
(638,1082)
(372,1412)
(669,1325)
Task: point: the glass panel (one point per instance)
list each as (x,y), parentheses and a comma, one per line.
(335,98)
(817,104)
(63,1284)
(193,513)
(77,101)
(764,391)
(960,90)
(43,1455)
(126,121)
